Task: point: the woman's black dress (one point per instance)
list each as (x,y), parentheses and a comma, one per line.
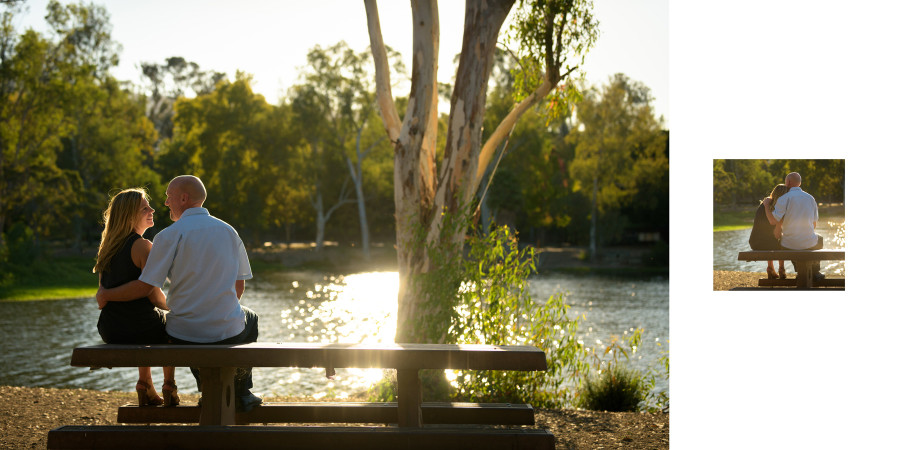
(762,235)
(132,322)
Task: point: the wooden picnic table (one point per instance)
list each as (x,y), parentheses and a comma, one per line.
(803,261)
(218,363)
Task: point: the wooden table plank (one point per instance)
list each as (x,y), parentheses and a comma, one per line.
(456,413)
(259,354)
(793,255)
(330,438)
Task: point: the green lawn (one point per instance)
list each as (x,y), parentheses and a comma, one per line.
(51,278)
(736,219)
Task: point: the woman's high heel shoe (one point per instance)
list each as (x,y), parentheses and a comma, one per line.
(782,274)
(771,273)
(144,395)
(170,395)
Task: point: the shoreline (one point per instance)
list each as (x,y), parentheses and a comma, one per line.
(627,261)
(28,414)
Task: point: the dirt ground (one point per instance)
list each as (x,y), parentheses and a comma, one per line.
(28,414)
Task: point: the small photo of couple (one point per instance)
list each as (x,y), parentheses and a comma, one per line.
(778,224)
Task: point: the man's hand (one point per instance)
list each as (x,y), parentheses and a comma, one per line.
(767,201)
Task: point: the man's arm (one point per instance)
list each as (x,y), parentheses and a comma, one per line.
(128,291)
(239,288)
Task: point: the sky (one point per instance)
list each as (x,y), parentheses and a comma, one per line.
(270,38)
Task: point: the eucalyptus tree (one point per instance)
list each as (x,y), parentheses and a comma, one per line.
(336,102)
(547,36)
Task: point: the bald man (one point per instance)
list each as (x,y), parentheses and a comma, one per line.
(206,264)
(798,213)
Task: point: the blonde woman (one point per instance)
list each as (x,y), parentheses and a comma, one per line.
(120,259)
(763,235)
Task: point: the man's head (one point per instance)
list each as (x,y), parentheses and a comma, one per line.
(792,180)
(184,191)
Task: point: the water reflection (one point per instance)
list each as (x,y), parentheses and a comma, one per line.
(358,308)
(38,337)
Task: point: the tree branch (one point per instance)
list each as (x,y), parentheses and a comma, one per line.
(382,73)
(506,125)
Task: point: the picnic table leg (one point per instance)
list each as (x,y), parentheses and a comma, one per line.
(409,398)
(218,395)
(804,274)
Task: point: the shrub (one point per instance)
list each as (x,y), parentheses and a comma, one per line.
(620,388)
(486,297)
(494,306)
(615,389)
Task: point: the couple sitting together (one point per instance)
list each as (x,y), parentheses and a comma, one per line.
(786,220)
(206,264)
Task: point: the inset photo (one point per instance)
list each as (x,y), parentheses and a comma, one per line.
(778,224)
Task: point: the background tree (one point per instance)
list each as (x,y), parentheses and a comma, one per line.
(222,138)
(620,151)
(168,82)
(325,166)
(549,33)
(745,181)
(335,106)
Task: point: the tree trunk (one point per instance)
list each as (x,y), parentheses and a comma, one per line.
(594,221)
(320,221)
(357,177)
(422,199)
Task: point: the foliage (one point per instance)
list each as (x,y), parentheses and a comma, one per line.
(621,158)
(616,389)
(746,181)
(620,388)
(551,38)
(488,302)
(71,135)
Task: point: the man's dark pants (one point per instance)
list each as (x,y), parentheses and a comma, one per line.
(816,265)
(243,379)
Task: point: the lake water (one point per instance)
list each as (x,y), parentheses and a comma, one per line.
(38,337)
(727,244)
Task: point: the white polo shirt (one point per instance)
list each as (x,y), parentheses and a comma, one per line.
(800,214)
(202,257)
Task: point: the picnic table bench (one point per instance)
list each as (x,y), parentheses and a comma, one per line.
(221,426)
(803,260)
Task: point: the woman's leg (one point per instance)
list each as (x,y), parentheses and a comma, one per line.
(170,390)
(169,375)
(145,391)
(770,270)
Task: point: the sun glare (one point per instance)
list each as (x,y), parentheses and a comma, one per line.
(357,308)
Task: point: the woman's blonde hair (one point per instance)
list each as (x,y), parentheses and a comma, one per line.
(118,224)
(779,190)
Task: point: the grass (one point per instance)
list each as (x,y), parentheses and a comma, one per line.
(52,278)
(741,217)
(733,219)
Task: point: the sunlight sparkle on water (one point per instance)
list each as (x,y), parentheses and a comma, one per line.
(357,308)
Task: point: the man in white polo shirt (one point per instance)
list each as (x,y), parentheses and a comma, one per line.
(798,213)
(206,264)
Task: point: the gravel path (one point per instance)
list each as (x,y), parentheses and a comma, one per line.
(28,414)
